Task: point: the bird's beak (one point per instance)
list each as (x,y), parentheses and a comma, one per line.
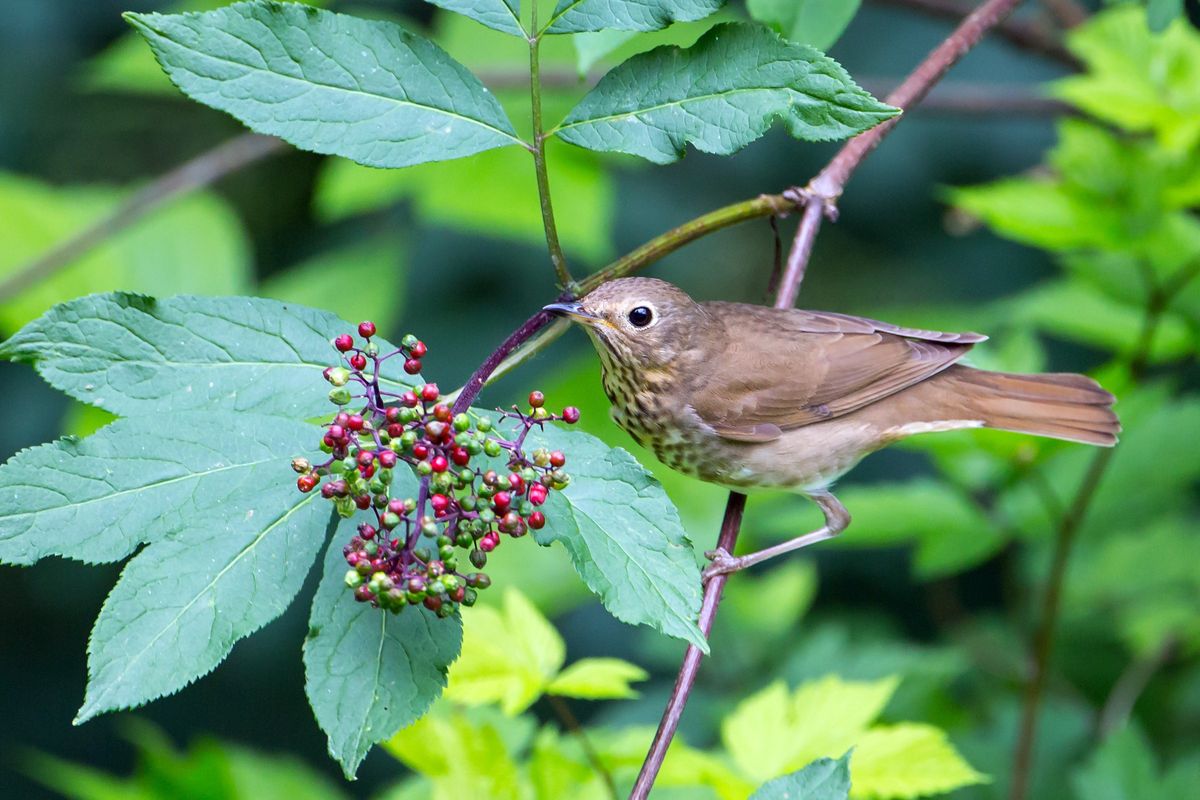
(572,310)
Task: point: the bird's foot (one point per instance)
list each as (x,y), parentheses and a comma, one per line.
(722,564)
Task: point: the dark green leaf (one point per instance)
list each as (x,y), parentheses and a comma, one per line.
(331,83)
(815,22)
(182,603)
(130,354)
(624,536)
(576,16)
(141,480)
(501,15)
(823,779)
(719,95)
(370,673)
(1161,13)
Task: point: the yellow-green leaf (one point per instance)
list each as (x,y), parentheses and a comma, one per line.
(908,760)
(598,679)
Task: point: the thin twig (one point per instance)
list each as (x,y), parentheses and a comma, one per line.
(1026,36)
(831,181)
(561,271)
(198,173)
(571,723)
(1130,686)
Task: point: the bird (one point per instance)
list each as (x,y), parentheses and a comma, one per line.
(751,397)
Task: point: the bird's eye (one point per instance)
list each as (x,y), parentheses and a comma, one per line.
(640,317)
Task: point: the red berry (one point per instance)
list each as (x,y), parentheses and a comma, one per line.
(363,594)
(570,415)
(392,414)
(328,492)
(358,361)
(439,464)
(363,501)
(396,506)
(517,482)
(537,494)
(537,399)
(366,329)
(367,531)
(537,520)
(460,456)
(306,483)
(429,392)
(365,458)
(489,541)
(441,412)
(412,366)
(344,342)
(387,459)
(355,422)
(342,419)
(418,350)
(336,432)
(501,501)
(395,430)
(409,399)
(557,459)
(432,602)
(440,502)
(420,451)
(367,472)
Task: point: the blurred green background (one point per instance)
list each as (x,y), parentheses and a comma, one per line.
(939,578)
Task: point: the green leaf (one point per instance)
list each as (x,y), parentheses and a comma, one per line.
(898,762)
(331,83)
(369,673)
(320,281)
(775,730)
(464,755)
(815,22)
(823,779)
(508,657)
(591,47)
(501,15)
(182,603)
(1122,768)
(145,479)
(130,354)
(623,535)
(1161,13)
(598,679)
(719,95)
(192,245)
(575,16)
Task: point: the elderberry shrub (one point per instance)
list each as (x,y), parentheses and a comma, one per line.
(408,552)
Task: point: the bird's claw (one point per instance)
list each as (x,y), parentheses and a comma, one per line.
(722,564)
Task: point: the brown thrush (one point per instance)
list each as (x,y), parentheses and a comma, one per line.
(751,397)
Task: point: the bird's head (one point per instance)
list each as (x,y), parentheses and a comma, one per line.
(641,323)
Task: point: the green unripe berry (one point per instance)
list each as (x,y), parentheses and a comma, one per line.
(409,341)
(451,564)
(469,597)
(422,554)
(371,349)
(492,448)
(377,486)
(464,540)
(468,503)
(478,559)
(429,529)
(390,520)
(338,376)
(345,507)
(353,579)
(462,422)
(410,505)
(339,396)
(444,541)
(446,553)
(326,448)
(474,447)
(484,425)
(424,468)
(385,475)
(487,516)
(371,548)
(540,413)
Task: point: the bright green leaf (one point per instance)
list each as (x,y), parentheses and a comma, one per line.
(719,95)
(823,779)
(508,657)
(463,755)
(331,83)
(898,762)
(183,602)
(815,22)
(500,15)
(146,479)
(598,679)
(131,354)
(368,672)
(575,16)
(194,245)
(624,536)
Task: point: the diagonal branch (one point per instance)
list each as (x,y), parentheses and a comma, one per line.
(198,173)
(820,196)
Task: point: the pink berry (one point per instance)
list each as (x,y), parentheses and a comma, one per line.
(366,329)
(344,342)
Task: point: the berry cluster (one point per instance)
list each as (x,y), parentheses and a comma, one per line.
(409,553)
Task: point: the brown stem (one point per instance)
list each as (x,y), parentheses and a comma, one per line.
(832,179)
(1034,38)
(201,171)
(571,723)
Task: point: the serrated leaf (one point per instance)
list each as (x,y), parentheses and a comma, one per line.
(720,95)
(500,15)
(624,536)
(131,354)
(193,245)
(182,603)
(331,83)
(898,762)
(508,656)
(598,679)
(775,730)
(576,16)
(143,479)
(823,779)
(368,672)
(815,22)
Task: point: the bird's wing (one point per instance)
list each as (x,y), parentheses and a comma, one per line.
(786,369)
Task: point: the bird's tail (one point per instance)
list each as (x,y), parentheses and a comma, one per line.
(1058,405)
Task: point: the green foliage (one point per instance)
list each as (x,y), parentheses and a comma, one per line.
(501,15)
(369,673)
(815,22)
(656,103)
(575,16)
(823,779)
(370,91)
(1124,768)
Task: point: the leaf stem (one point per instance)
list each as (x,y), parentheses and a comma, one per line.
(571,723)
(561,271)
(820,197)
